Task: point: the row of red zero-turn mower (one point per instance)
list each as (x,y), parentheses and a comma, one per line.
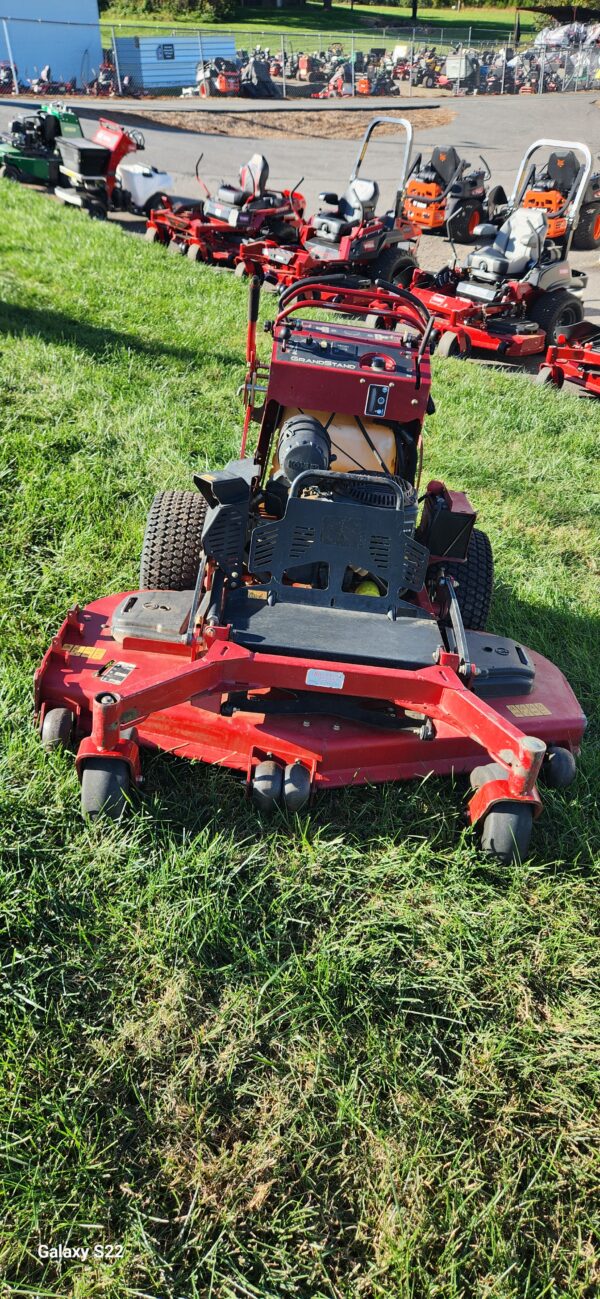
(514,295)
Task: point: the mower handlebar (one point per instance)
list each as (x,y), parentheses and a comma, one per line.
(356,297)
(253,300)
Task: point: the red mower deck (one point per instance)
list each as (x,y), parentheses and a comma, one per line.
(573,362)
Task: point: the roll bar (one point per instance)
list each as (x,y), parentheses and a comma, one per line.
(372,127)
(578,190)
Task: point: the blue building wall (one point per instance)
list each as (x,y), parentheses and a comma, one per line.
(68,38)
(156,63)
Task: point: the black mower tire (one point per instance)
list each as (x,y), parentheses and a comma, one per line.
(57,729)
(506,831)
(104,788)
(9,173)
(97,212)
(172,549)
(554,311)
(587,234)
(152,236)
(461,225)
(154,202)
(396,266)
(174,247)
(194,253)
(543,378)
(475,581)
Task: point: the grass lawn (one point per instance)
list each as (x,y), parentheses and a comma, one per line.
(483,22)
(335,1057)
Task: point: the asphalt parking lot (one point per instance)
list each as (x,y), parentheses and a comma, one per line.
(499,129)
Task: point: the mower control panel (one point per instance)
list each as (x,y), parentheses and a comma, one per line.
(343,347)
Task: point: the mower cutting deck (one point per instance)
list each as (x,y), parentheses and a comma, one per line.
(214,229)
(302,617)
(573,362)
(348,236)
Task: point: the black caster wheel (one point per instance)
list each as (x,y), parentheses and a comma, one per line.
(558,768)
(175,248)
(267,785)
(105,785)
(57,728)
(296,786)
(506,831)
(194,253)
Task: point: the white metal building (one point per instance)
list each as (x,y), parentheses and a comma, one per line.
(62,33)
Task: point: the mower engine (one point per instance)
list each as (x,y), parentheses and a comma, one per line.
(25,132)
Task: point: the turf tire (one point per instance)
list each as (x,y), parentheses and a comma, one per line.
(554,311)
(587,234)
(396,266)
(475,581)
(172,547)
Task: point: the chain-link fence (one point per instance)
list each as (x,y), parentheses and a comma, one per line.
(133,60)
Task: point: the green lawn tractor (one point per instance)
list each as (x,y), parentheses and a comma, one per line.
(28,152)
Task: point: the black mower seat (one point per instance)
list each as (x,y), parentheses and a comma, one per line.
(253,179)
(356,205)
(341,634)
(563,170)
(516,247)
(444,163)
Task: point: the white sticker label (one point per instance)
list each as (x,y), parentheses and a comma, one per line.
(328,680)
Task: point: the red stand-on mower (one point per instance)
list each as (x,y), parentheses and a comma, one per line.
(516,292)
(441,189)
(302,617)
(347,237)
(214,229)
(573,362)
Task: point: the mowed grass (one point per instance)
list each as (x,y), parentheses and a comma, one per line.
(481,21)
(338,1055)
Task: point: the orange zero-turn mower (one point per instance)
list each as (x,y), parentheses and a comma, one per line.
(305,617)
(551,187)
(443,188)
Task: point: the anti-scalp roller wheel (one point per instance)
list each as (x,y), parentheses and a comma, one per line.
(296,786)
(267,785)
